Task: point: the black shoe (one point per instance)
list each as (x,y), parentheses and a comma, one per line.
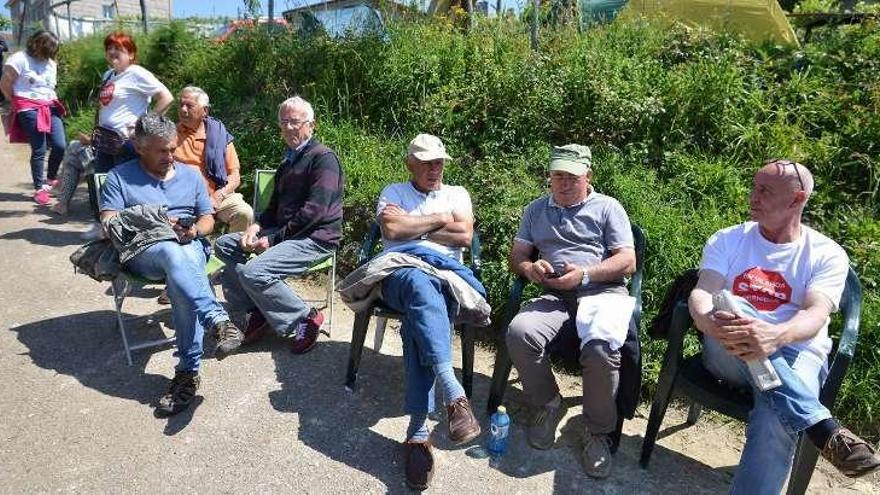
(228,337)
(180,394)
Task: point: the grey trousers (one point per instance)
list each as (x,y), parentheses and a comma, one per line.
(258,282)
(536,325)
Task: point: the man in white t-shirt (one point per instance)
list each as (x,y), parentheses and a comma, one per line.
(787,279)
(426,214)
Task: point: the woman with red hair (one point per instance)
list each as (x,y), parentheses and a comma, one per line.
(127,90)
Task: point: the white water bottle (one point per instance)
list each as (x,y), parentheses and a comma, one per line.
(762,370)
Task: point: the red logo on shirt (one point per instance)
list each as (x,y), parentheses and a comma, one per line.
(106,93)
(766,290)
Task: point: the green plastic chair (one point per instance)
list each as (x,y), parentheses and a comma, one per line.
(122,285)
(688,377)
(503,364)
(369,247)
(264,183)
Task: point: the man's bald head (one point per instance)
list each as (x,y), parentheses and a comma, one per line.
(790,173)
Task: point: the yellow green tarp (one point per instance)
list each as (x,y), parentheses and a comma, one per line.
(757,20)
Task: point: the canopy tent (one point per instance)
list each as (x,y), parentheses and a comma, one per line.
(757,20)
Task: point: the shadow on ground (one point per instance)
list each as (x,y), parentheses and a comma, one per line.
(87,346)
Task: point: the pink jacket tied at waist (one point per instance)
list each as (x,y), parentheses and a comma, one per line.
(44,116)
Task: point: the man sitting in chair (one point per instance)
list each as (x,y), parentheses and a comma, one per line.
(585,250)
(204,143)
(156,179)
(301,225)
(786,279)
(437,218)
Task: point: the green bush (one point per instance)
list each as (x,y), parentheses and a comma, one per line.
(678,121)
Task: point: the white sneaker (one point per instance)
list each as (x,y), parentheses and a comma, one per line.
(596,456)
(94,233)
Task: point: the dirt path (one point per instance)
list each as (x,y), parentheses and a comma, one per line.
(76,418)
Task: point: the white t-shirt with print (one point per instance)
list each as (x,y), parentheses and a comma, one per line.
(447,199)
(775,278)
(36,78)
(125,96)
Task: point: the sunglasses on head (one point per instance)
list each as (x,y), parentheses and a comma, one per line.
(782,162)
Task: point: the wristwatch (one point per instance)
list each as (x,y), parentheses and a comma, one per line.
(585,281)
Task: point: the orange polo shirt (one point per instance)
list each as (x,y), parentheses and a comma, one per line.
(191,151)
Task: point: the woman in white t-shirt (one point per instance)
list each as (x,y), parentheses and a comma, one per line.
(126,92)
(29,80)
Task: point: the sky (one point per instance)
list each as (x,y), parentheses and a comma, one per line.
(231,8)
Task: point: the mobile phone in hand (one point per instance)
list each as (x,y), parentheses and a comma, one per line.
(186,221)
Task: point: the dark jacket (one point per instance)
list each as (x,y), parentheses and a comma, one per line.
(216,140)
(306,197)
(138,227)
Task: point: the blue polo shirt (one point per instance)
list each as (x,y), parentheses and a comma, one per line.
(128,184)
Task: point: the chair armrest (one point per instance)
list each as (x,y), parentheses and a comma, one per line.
(851,307)
(476,251)
(514,302)
(681,321)
(368,245)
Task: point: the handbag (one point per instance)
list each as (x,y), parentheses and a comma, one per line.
(107,141)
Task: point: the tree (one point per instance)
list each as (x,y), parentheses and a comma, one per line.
(144,14)
(253,8)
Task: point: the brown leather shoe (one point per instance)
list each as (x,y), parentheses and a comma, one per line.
(850,454)
(419,464)
(463,426)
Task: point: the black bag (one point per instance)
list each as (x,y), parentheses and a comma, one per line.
(678,290)
(107,141)
(97,259)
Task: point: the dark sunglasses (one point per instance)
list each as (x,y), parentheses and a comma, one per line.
(785,162)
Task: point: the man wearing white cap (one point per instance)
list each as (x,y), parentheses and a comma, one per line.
(426,216)
(584,250)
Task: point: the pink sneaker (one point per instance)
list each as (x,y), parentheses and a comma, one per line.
(41,197)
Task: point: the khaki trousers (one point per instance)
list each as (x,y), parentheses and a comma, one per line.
(235,212)
(536,325)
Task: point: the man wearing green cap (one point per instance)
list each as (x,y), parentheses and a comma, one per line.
(584,246)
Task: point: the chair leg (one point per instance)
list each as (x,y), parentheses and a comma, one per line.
(694,412)
(329,300)
(358,335)
(467,359)
(805,457)
(500,376)
(118,288)
(658,411)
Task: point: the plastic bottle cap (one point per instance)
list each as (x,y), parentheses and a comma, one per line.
(502,409)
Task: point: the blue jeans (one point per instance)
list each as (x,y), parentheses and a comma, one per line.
(259,281)
(425,331)
(55,138)
(193,305)
(777,416)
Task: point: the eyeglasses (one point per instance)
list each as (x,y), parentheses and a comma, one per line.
(296,124)
(784,163)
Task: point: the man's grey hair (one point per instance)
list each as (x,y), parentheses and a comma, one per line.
(297,102)
(200,94)
(154,125)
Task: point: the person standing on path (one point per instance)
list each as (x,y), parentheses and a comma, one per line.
(28,81)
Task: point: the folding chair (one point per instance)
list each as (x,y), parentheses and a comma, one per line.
(264,181)
(382,313)
(688,377)
(122,285)
(503,364)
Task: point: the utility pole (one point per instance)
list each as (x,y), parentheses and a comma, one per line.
(144,15)
(536,6)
